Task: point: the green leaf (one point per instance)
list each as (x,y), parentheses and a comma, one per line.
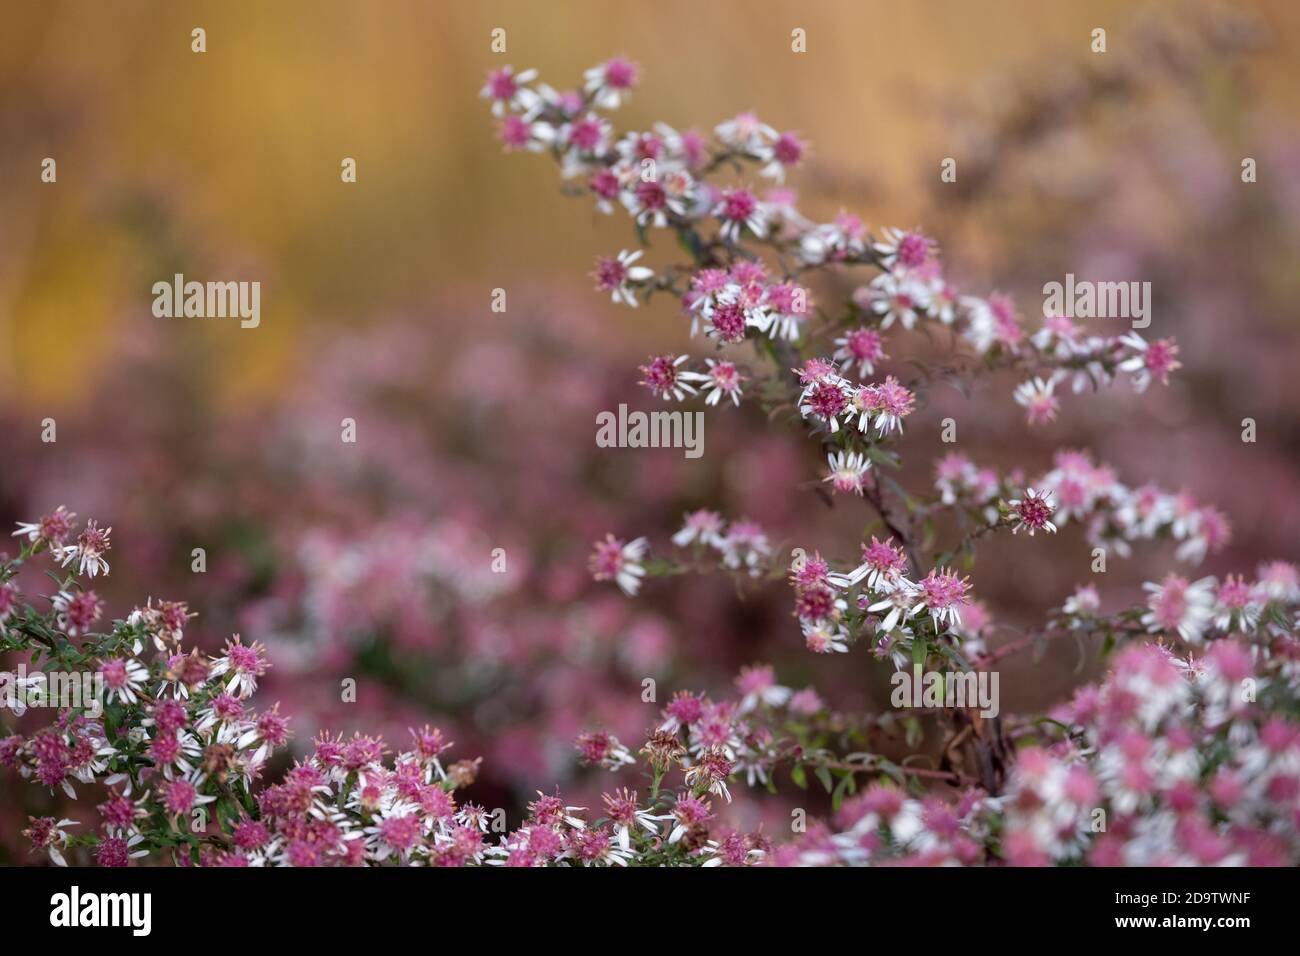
(799,777)
(825,777)
(920,651)
(846,785)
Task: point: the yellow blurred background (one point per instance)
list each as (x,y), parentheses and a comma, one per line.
(226,164)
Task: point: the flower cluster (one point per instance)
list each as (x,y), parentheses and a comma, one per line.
(1114,515)
(1179,760)
(750,250)
(1171,762)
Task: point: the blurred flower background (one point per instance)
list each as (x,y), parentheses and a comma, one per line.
(374,561)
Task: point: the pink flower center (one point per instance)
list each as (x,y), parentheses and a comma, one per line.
(651,195)
(738,205)
(502,85)
(827,400)
(729,321)
(586,134)
(913,250)
(620,74)
(865,345)
(610,273)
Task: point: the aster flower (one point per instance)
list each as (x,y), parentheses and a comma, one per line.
(617,276)
(665,378)
(703,526)
(943,594)
(740,209)
(883,566)
(49,835)
(826,400)
(732,850)
(728,315)
(1237,606)
(825,637)
(51,530)
(89,550)
(758,685)
(245,663)
(992,322)
(123,679)
(862,347)
(1149,360)
(683,710)
(615,560)
(604,750)
(884,405)
(1177,606)
(518,133)
(722,379)
(788,307)
(584,136)
(689,813)
(745,545)
(746,133)
(710,772)
(1085,602)
(904,249)
(896,298)
(628,816)
(1032,512)
(836,241)
(848,471)
(505,88)
(179,797)
(786,151)
(650,202)
(76,612)
(610,81)
(1036,396)
(894,606)
(1279,580)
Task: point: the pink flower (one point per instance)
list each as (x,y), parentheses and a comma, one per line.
(848,472)
(618,561)
(665,378)
(51,530)
(1040,404)
(862,347)
(89,550)
(618,275)
(1032,512)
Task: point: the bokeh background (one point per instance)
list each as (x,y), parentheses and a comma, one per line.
(372,561)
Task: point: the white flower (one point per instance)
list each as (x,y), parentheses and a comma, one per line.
(897,298)
(89,550)
(617,276)
(1084,602)
(631,572)
(848,471)
(896,606)
(123,678)
(746,133)
(1175,605)
(825,637)
(721,379)
(703,526)
(506,78)
(1037,398)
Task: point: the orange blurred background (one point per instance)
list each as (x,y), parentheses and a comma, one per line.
(226,164)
